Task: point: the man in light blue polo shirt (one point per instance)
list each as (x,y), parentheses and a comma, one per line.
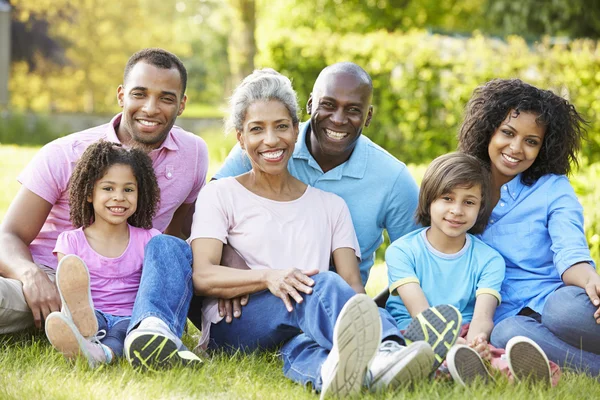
(332,154)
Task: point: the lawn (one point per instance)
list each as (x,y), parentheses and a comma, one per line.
(31,369)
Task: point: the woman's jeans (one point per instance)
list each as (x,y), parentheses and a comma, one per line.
(165,288)
(566,330)
(306,333)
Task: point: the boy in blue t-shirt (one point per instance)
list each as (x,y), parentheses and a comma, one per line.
(444,263)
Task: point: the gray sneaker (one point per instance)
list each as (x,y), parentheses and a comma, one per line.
(356,337)
(396,365)
(527,361)
(466,366)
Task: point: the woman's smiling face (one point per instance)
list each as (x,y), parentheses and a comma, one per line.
(515,145)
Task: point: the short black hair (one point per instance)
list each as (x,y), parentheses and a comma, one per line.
(159,58)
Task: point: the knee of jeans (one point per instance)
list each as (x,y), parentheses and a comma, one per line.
(504,331)
(168,244)
(564,300)
(328,278)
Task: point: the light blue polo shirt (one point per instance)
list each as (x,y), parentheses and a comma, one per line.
(455,279)
(379,189)
(538,230)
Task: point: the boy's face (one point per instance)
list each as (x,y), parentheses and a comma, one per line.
(453,214)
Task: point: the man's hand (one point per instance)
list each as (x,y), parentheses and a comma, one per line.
(287,283)
(229,308)
(41,294)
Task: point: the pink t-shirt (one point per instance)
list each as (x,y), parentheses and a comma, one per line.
(272,234)
(114,281)
(180,164)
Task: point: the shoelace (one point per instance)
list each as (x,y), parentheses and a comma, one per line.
(389,346)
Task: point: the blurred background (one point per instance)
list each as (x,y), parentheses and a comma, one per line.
(62,60)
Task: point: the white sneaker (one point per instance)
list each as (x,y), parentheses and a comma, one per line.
(396,365)
(527,361)
(356,337)
(73,283)
(466,366)
(65,337)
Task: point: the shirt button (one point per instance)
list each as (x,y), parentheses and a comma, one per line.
(504,187)
(501,204)
(169,175)
(491,221)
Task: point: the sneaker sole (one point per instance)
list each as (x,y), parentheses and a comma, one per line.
(527,361)
(356,337)
(413,366)
(62,337)
(73,282)
(439,326)
(466,366)
(154,351)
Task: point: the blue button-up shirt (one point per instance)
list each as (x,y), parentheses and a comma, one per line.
(538,229)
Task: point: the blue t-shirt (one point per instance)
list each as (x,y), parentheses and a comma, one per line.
(455,279)
(378,189)
(538,229)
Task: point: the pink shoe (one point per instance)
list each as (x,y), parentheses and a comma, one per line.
(65,338)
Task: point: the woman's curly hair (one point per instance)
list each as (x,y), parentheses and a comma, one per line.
(489,107)
(93,165)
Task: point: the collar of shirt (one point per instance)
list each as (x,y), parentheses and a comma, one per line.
(354,167)
(111,134)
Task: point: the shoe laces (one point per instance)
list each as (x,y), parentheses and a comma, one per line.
(390,346)
(101,334)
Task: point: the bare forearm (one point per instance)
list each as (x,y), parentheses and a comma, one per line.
(580,275)
(15,257)
(226,283)
(479,326)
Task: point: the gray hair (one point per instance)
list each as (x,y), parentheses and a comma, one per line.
(262,85)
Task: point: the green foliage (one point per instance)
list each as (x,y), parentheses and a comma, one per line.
(422,81)
(18,129)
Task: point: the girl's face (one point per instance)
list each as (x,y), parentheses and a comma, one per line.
(515,145)
(453,214)
(115,195)
(268,136)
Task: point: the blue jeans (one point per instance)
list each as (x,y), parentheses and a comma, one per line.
(306,333)
(166,285)
(116,329)
(566,330)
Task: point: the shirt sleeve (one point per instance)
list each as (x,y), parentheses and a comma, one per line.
(202,161)
(400,266)
(343,229)
(210,217)
(48,173)
(65,244)
(402,204)
(492,275)
(565,226)
(235,164)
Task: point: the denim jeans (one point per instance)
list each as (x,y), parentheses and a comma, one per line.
(566,330)
(306,333)
(166,285)
(116,329)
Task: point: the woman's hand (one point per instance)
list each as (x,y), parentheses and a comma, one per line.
(229,308)
(481,346)
(286,283)
(592,288)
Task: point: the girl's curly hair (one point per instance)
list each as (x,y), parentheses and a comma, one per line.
(489,107)
(93,165)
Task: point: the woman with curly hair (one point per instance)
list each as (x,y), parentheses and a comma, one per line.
(113,196)
(529,138)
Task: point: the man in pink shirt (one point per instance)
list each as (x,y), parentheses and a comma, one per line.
(152,96)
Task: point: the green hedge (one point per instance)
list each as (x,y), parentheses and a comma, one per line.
(423,81)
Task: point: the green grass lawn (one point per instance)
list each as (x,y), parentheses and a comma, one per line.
(31,369)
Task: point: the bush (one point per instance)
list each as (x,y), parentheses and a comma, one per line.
(423,81)
(24,131)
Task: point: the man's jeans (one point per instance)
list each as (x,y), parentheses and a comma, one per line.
(166,286)
(566,330)
(306,333)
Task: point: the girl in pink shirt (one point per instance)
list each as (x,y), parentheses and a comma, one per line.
(113,196)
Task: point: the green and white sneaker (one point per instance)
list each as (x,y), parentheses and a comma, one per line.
(439,326)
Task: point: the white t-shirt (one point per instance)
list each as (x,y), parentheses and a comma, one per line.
(302,233)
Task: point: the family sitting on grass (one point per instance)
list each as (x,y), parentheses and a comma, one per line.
(488,266)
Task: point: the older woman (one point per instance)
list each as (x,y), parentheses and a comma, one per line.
(529,138)
(287,233)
